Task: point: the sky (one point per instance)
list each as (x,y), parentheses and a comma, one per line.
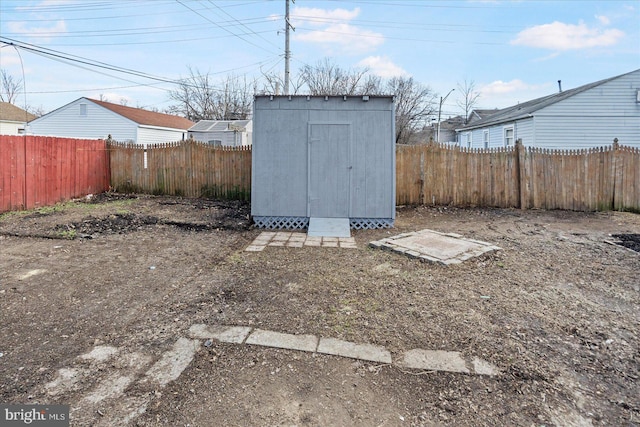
(511,50)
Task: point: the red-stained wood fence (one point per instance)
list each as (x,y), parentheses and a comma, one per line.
(42,171)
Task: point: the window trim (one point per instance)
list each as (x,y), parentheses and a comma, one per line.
(513,135)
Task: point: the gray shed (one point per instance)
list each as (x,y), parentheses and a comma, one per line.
(323,157)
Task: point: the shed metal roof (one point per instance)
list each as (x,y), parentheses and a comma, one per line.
(216,125)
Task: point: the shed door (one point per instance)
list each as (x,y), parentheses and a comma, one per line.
(329,166)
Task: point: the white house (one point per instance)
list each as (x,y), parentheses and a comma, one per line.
(13,119)
(584,117)
(93,119)
(231,133)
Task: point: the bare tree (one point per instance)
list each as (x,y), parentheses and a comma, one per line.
(198,97)
(36,111)
(414,103)
(327,78)
(469,97)
(10,87)
(273,83)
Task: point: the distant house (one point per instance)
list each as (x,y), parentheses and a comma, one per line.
(13,119)
(93,119)
(587,116)
(230,133)
(477,115)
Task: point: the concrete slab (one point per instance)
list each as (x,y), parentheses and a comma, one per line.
(372,353)
(229,334)
(280,340)
(432,246)
(329,227)
(434,360)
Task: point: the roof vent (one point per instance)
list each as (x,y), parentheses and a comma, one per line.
(559,85)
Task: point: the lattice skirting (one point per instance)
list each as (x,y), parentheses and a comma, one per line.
(300,222)
(281,222)
(370,223)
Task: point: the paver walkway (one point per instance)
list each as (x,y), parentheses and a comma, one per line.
(113,386)
(430,360)
(298,240)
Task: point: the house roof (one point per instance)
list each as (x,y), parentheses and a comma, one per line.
(146,117)
(476,115)
(217,125)
(526,109)
(11,113)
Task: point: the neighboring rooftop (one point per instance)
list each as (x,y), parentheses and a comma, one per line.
(11,113)
(146,117)
(217,125)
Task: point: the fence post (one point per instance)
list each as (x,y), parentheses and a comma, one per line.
(617,176)
(521,175)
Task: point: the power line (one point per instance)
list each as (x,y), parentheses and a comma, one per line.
(217,25)
(84,63)
(239,22)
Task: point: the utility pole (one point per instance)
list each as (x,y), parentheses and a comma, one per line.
(287,52)
(440,112)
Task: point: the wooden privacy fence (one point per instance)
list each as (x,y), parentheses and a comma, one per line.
(186,168)
(582,180)
(41,171)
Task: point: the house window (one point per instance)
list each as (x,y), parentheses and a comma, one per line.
(215,142)
(485,139)
(508,136)
(83,109)
(468,138)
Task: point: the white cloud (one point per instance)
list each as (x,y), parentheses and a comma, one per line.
(382,66)
(331,29)
(500,94)
(348,38)
(603,19)
(499,87)
(560,36)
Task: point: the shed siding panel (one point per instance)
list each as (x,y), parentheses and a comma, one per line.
(279,185)
(98,123)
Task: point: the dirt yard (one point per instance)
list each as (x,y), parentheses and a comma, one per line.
(557,311)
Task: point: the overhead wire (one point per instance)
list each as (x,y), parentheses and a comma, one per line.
(85,63)
(216,24)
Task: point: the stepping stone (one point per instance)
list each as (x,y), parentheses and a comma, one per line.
(228,334)
(372,353)
(280,340)
(434,360)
